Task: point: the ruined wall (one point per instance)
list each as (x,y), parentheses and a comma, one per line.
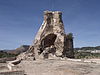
(50,38)
(68,48)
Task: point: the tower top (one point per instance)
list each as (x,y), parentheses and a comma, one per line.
(53,12)
(57,15)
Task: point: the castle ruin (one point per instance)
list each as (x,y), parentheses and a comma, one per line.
(51,40)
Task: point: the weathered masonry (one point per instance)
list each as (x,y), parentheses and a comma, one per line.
(51,40)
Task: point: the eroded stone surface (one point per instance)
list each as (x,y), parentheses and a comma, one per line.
(51,39)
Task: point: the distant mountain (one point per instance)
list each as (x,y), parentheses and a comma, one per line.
(88,48)
(19,50)
(9,55)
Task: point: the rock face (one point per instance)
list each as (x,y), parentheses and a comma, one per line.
(51,40)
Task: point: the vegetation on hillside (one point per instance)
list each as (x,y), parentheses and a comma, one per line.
(88,48)
(13,53)
(78,55)
(5,54)
(86,55)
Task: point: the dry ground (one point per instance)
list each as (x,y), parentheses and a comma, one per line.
(60,67)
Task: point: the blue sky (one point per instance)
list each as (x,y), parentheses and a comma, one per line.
(21,19)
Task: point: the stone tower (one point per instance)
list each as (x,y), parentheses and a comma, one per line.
(51,40)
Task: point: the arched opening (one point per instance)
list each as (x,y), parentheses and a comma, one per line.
(48,40)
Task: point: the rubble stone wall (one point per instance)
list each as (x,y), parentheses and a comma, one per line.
(51,35)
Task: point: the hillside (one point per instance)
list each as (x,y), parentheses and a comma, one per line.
(9,55)
(19,50)
(88,48)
